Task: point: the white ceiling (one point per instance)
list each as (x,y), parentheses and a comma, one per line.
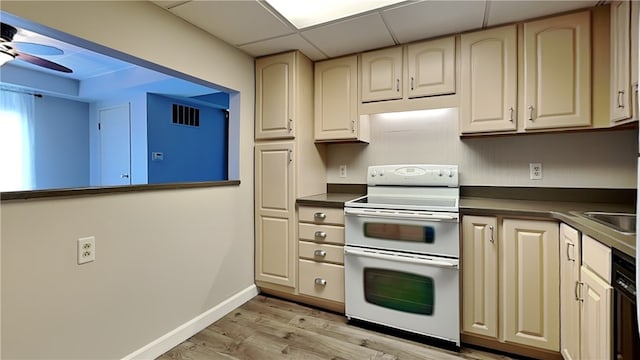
(256,28)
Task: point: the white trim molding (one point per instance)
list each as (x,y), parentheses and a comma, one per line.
(168,341)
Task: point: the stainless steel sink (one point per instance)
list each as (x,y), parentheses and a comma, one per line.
(621,222)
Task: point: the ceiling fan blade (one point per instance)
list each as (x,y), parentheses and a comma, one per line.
(43,62)
(36,49)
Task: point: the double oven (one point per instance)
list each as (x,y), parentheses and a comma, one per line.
(402,246)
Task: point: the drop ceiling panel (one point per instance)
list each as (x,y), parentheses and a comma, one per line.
(351,36)
(502,12)
(281,44)
(236,22)
(427,19)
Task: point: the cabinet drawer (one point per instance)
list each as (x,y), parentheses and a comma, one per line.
(321,233)
(321,280)
(597,257)
(320,215)
(321,252)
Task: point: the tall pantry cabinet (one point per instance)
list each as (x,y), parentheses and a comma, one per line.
(287,164)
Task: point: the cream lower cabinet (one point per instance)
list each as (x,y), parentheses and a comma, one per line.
(275,214)
(321,254)
(480,275)
(586,295)
(596,294)
(570,261)
(510,286)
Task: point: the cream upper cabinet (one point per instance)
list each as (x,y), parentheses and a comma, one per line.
(431,67)
(336,101)
(480,275)
(570,260)
(275,213)
(531,283)
(275,93)
(489,80)
(622,92)
(557,72)
(381,74)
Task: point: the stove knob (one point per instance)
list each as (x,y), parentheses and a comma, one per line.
(373,173)
(439,172)
(447,172)
(452,172)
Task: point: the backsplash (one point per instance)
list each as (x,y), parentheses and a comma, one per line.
(588,159)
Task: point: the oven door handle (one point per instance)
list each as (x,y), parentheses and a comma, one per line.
(399,215)
(452,264)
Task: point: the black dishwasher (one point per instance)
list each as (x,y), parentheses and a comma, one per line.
(625,320)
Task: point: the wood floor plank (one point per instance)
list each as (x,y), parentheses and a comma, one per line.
(268,328)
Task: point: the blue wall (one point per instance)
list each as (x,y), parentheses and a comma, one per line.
(61,134)
(191,154)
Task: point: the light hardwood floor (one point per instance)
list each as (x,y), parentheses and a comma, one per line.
(270,328)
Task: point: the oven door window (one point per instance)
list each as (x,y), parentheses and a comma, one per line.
(399,290)
(403,232)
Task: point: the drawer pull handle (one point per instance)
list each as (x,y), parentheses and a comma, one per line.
(320,253)
(530,113)
(321,234)
(320,215)
(491,234)
(321,282)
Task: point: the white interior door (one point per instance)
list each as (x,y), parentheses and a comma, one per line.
(115,145)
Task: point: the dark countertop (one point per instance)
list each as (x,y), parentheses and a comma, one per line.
(335,200)
(566,212)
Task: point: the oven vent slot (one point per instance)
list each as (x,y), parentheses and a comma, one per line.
(186,115)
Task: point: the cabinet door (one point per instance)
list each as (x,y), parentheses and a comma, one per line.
(557,72)
(381,74)
(489,80)
(569,302)
(431,67)
(274,96)
(336,99)
(530,283)
(275,214)
(620,104)
(596,316)
(480,275)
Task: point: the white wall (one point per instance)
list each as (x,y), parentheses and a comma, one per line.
(163,258)
(591,159)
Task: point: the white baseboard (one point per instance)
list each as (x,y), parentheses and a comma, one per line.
(192,327)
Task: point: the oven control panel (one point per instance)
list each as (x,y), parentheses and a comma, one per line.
(413,175)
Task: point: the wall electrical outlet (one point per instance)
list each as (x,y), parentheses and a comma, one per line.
(535,171)
(86,249)
(343,171)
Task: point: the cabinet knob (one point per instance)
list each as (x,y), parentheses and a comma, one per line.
(321,234)
(320,215)
(320,253)
(321,282)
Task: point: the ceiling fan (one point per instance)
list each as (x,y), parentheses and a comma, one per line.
(10,50)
